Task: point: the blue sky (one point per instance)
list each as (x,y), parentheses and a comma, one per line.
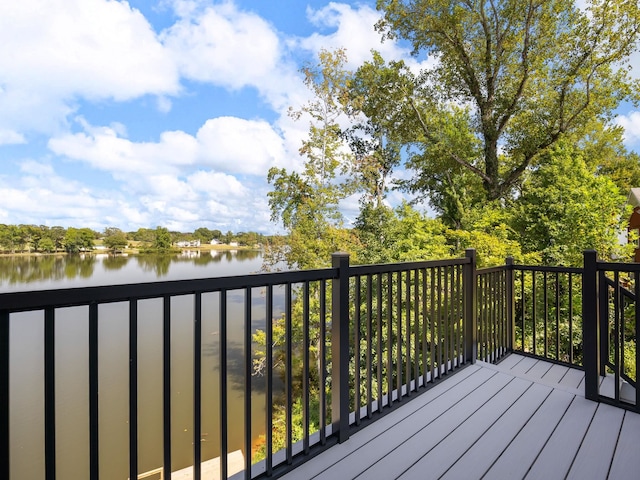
(165,112)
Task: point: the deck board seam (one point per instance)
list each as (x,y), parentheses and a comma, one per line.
(517,433)
(541,381)
(586,432)
(487,429)
(613,455)
(418,409)
(444,412)
(550,436)
(545,372)
(458,426)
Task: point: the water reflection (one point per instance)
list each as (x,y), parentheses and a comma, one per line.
(28,269)
(114,262)
(103,268)
(71,333)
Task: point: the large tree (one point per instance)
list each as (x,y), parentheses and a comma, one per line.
(307,202)
(527,72)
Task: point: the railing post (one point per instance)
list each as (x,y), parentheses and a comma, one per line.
(340,347)
(590,328)
(511,331)
(470,318)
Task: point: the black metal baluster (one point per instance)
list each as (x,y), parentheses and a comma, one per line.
(439,321)
(407,329)
(416,328)
(305,368)
(289,375)
(166,385)
(399,337)
(571,318)
(369,348)
(323,362)
(4,394)
(432,322)
(49,394)
(247,382)
(224,426)
(379,339)
(133,389)
(636,290)
(94,448)
(269,375)
(534,304)
(426,366)
(546,314)
(558,316)
(356,345)
(389,337)
(482,328)
(446,321)
(616,329)
(197,387)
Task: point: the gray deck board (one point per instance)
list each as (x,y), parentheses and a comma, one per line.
(539,370)
(447,452)
(414,448)
(522,418)
(599,443)
(495,440)
(556,457)
(514,462)
(627,456)
(382,445)
(573,378)
(556,373)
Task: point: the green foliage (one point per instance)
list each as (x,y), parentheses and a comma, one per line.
(78,240)
(162,240)
(205,235)
(143,235)
(529,72)
(565,208)
(46,245)
(115,239)
(307,202)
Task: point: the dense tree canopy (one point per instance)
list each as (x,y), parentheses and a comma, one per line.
(508,135)
(518,74)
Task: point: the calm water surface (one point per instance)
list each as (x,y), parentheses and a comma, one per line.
(72,409)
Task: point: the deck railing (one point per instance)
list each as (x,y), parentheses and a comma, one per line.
(327,350)
(337,346)
(611,317)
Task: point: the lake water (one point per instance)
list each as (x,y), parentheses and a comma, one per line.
(72,410)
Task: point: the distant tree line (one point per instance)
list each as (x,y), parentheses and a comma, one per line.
(44,239)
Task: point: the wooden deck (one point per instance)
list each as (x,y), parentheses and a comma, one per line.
(523,418)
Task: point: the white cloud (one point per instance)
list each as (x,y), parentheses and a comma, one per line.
(353,28)
(631,125)
(11,137)
(56,52)
(227,144)
(62,56)
(224,46)
(39,195)
(105,149)
(224,186)
(42,194)
(235,145)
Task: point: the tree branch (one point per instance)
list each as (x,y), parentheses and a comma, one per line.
(453,156)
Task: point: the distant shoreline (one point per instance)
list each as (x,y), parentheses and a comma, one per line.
(135,251)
